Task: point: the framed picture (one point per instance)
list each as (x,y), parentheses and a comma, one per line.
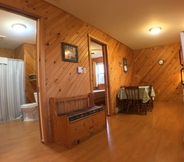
(69,52)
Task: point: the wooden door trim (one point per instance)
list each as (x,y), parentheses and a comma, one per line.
(105,51)
(43,115)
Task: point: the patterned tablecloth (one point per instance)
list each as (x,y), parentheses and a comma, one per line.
(143,93)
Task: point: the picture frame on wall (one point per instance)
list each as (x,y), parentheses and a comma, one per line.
(69,52)
(125,65)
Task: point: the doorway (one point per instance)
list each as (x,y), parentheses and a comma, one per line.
(11,46)
(99,73)
(18,43)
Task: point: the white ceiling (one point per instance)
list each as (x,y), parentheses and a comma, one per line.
(129,21)
(13,39)
(96,50)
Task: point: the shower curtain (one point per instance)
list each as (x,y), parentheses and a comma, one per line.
(12,94)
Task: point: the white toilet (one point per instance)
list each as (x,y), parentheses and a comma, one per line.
(30,110)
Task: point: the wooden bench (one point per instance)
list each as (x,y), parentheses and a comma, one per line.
(74,119)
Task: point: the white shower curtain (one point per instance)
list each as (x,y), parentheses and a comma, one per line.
(12,94)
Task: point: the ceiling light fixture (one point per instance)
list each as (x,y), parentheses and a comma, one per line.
(155,30)
(19,27)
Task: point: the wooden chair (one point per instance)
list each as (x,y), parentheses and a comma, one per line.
(134,102)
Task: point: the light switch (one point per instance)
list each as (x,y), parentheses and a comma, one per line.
(80,70)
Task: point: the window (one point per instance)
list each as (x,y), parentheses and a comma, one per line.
(100,73)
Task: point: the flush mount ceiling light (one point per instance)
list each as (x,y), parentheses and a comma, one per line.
(19,27)
(155,30)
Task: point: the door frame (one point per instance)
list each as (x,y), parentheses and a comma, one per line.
(106,70)
(40,83)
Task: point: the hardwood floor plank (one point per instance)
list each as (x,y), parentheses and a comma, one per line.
(155,137)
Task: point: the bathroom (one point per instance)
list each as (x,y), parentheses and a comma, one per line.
(20,50)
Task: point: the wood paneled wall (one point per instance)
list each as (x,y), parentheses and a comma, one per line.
(164,78)
(19,52)
(27,52)
(30,68)
(6,53)
(118,77)
(62,79)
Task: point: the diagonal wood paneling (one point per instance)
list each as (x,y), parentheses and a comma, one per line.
(164,78)
(61,78)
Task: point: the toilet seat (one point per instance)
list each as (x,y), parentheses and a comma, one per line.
(29,105)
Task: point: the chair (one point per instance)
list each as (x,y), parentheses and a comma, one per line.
(134,102)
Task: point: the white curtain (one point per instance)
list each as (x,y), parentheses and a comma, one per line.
(12,94)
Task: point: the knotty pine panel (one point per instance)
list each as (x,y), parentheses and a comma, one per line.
(58,73)
(30,68)
(27,52)
(164,78)
(19,52)
(118,77)
(61,78)
(6,53)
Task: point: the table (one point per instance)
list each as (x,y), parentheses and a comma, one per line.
(143,93)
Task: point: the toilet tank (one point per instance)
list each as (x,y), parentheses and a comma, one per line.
(35,96)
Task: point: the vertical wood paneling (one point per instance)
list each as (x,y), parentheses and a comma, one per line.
(164,78)
(30,68)
(19,52)
(27,52)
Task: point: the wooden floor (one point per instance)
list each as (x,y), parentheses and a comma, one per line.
(155,137)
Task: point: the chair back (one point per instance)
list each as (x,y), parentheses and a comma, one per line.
(132,92)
